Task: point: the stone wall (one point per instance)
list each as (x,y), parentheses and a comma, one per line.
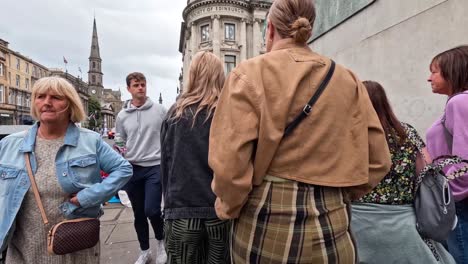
(393,43)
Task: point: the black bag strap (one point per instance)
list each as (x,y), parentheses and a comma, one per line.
(308,107)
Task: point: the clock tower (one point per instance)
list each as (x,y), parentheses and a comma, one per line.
(94,73)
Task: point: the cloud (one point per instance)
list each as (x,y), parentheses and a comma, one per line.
(137,35)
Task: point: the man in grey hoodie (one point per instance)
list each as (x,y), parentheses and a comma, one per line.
(139,126)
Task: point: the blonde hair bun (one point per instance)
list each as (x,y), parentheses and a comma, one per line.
(301,30)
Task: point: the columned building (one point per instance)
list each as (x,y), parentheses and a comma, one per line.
(230,29)
(107,115)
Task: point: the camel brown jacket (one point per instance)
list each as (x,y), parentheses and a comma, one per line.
(340,144)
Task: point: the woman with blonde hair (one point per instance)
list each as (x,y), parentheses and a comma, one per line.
(66,161)
(193,233)
(285,166)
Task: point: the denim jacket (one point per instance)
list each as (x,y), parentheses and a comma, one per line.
(78,164)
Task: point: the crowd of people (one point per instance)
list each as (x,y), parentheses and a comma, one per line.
(288,159)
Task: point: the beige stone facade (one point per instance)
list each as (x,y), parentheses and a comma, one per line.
(107,115)
(393,42)
(230,29)
(80,86)
(18,74)
(114,98)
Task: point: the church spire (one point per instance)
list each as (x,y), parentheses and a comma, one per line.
(95,74)
(95,43)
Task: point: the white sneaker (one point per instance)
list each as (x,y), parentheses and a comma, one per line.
(161,256)
(144,257)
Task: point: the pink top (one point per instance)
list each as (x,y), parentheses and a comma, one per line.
(456,121)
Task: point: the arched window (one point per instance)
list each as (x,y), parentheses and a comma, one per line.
(94,79)
(94,65)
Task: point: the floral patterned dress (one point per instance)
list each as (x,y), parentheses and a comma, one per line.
(398,185)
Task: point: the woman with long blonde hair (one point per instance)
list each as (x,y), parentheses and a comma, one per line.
(193,233)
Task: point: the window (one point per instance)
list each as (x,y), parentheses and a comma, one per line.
(94,65)
(205,33)
(94,79)
(229,31)
(27,67)
(1,69)
(2,93)
(34,71)
(11,97)
(18,64)
(19,99)
(28,101)
(17,81)
(26,83)
(229,63)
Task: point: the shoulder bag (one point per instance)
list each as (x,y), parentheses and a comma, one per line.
(308,107)
(433,200)
(67,236)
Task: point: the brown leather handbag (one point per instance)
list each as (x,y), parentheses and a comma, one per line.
(70,235)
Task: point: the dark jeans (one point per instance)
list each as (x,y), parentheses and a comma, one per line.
(458,239)
(144,192)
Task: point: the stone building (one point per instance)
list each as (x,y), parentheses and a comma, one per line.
(108,116)
(230,29)
(110,100)
(18,74)
(95,72)
(114,98)
(80,86)
(393,42)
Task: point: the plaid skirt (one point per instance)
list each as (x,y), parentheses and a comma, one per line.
(292,222)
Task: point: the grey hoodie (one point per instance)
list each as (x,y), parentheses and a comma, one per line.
(140,129)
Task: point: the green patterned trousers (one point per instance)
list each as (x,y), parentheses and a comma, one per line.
(197,240)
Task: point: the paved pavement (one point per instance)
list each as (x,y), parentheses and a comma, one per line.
(119,242)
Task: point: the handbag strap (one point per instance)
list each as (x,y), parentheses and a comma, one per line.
(37,196)
(308,107)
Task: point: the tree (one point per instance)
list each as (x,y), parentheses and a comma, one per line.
(94,113)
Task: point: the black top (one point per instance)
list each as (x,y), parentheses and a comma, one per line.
(185,174)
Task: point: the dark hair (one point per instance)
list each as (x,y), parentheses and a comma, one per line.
(453,65)
(293,18)
(138,76)
(389,121)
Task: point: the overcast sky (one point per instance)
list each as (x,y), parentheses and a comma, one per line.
(136,35)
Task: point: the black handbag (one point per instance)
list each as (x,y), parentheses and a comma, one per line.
(434,204)
(433,201)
